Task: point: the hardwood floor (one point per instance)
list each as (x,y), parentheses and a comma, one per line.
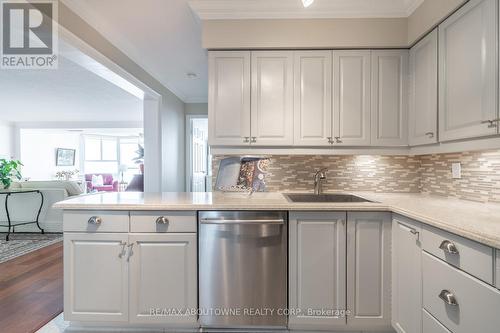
(31,290)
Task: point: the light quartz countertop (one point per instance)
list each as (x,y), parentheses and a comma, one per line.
(476,221)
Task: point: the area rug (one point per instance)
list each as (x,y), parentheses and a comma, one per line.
(20,244)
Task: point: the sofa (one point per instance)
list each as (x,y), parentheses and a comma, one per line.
(23,207)
(109,184)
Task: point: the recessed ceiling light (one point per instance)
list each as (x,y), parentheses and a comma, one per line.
(191,75)
(307,3)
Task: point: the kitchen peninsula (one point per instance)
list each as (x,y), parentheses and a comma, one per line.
(131,256)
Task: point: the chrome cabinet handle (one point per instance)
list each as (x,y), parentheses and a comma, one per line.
(122,252)
(449,247)
(253,139)
(130,252)
(337,139)
(448,297)
(95,220)
(415,232)
(246,139)
(430,134)
(491,123)
(330,140)
(162,220)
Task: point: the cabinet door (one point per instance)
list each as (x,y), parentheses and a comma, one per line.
(369,270)
(163,275)
(229,98)
(406,276)
(351,98)
(272,98)
(389,98)
(317,269)
(312,98)
(423,112)
(468,71)
(95,277)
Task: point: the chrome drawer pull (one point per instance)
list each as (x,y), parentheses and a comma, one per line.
(95,220)
(448,298)
(162,220)
(449,247)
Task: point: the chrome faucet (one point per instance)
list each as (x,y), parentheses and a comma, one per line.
(319,178)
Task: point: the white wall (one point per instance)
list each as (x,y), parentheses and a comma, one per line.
(38,152)
(173,146)
(6,140)
(172,162)
(196,108)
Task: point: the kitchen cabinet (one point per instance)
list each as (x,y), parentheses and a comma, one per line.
(351,98)
(460,302)
(95,277)
(317,266)
(163,271)
(272,98)
(468,72)
(389,123)
(229,98)
(312,98)
(423,108)
(369,270)
(406,275)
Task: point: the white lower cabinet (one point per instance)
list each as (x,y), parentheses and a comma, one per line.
(135,278)
(406,275)
(95,277)
(340,262)
(163,273)
(369,270)
(317,266)
(460,302)
(431,325)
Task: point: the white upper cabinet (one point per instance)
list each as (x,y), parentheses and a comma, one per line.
(468,72)
(313,98)
(423,108)
(389,98)
(272,98)
(229,98)
(351,98)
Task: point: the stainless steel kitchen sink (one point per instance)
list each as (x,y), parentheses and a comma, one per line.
(330,197)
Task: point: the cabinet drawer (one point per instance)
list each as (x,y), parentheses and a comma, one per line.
(179,221)
(471,257)
(431,325)
(96,221)
(477,303)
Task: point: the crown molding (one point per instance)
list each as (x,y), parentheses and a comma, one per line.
(292,9)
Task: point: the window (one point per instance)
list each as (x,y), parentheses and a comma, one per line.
(109,154)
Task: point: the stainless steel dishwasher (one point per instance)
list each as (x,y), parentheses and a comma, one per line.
(242,269)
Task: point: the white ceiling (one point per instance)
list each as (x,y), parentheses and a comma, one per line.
(68,94)
(286,9)
(161,36)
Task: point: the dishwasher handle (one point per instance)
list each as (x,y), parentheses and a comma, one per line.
(241,221)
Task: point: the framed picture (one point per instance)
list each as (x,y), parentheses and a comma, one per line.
(65,157)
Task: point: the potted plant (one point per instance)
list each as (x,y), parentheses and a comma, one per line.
(9,171)
(139,159)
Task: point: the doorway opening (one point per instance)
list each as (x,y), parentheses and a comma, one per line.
(199,160)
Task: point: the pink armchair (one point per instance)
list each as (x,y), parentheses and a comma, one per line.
(110,185)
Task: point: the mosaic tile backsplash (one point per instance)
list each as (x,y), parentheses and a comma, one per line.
(427,173)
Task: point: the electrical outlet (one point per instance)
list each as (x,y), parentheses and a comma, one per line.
(456,171)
